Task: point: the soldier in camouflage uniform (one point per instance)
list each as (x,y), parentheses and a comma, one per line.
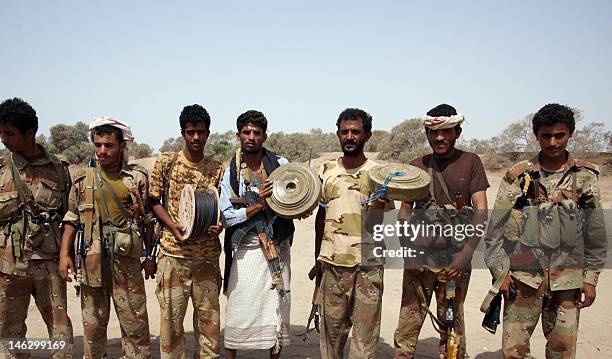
(34,188)
(121,217)
(553,237)
(187,268)
(351,289)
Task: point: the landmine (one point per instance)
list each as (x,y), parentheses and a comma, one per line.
(296,190)
(410,184)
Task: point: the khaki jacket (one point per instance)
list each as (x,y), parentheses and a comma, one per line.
(135,178)
(37,234)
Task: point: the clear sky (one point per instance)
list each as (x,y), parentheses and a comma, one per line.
(301,63)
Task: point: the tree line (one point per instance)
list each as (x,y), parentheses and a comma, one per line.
(402,143)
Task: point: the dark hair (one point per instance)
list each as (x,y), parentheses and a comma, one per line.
(107,130)
(442,110)
(551,114)
(18,113)
(353,114)
(253,117)
(194,114)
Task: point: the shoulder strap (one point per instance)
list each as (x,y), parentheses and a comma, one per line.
(434,165)
(233,167)
(99,180)
(22,190)
(89,205)
(59,168)
(167,180)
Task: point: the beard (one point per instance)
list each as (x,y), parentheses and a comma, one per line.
(251,150)
(355,151)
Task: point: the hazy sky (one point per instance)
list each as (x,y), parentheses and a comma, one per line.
(301,63)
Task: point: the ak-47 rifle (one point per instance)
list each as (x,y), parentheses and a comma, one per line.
(268,245)
(84,231)
(453,340)
(79,258)
(314,274)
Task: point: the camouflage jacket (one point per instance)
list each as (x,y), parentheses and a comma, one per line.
(37,235)
(135,179)
(563,233)
(203,175)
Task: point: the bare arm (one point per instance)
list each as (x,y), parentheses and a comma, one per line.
(162,214)
(66,265)
(319,230)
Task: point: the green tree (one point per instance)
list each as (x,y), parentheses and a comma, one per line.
(78,153)
(406,142)
(172,144)
(65,136)
(221,146)
(140,150)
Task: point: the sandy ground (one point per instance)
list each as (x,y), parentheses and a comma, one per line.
(594,340)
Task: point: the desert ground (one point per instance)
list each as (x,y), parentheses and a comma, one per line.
(594,338)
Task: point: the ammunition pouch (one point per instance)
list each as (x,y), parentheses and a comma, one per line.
(14,232)
(441,216)
(45,233)
(551,225)
(9,205)
(124,242)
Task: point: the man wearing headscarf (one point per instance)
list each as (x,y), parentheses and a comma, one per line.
(458,181)
(112,223)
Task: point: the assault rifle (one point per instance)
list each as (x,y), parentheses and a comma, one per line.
(79,258)
(268,245)
(314,274)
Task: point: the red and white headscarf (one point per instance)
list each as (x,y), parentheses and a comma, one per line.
(442,122)
(123,126)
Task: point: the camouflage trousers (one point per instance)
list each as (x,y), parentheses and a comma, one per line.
(44,283)
(559,321)
(125,285)
(350,297)
(412,316)
(179,279)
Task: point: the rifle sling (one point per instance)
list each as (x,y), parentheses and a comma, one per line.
(89,206)
(114,197)
(167,180)
(435,322)
(434,165)
(494,290)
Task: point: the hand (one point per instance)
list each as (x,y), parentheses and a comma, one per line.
(265,191)
(215,230)
(66,268)
(588,292)
(460,261)
(150,267)
(505,287)
(177,231)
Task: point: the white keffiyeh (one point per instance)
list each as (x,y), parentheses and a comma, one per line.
(442,122)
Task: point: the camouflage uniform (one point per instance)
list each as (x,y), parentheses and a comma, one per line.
(351,286)
(108,272)
(412,316)
(29,258)
(548,270)
(189,268)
